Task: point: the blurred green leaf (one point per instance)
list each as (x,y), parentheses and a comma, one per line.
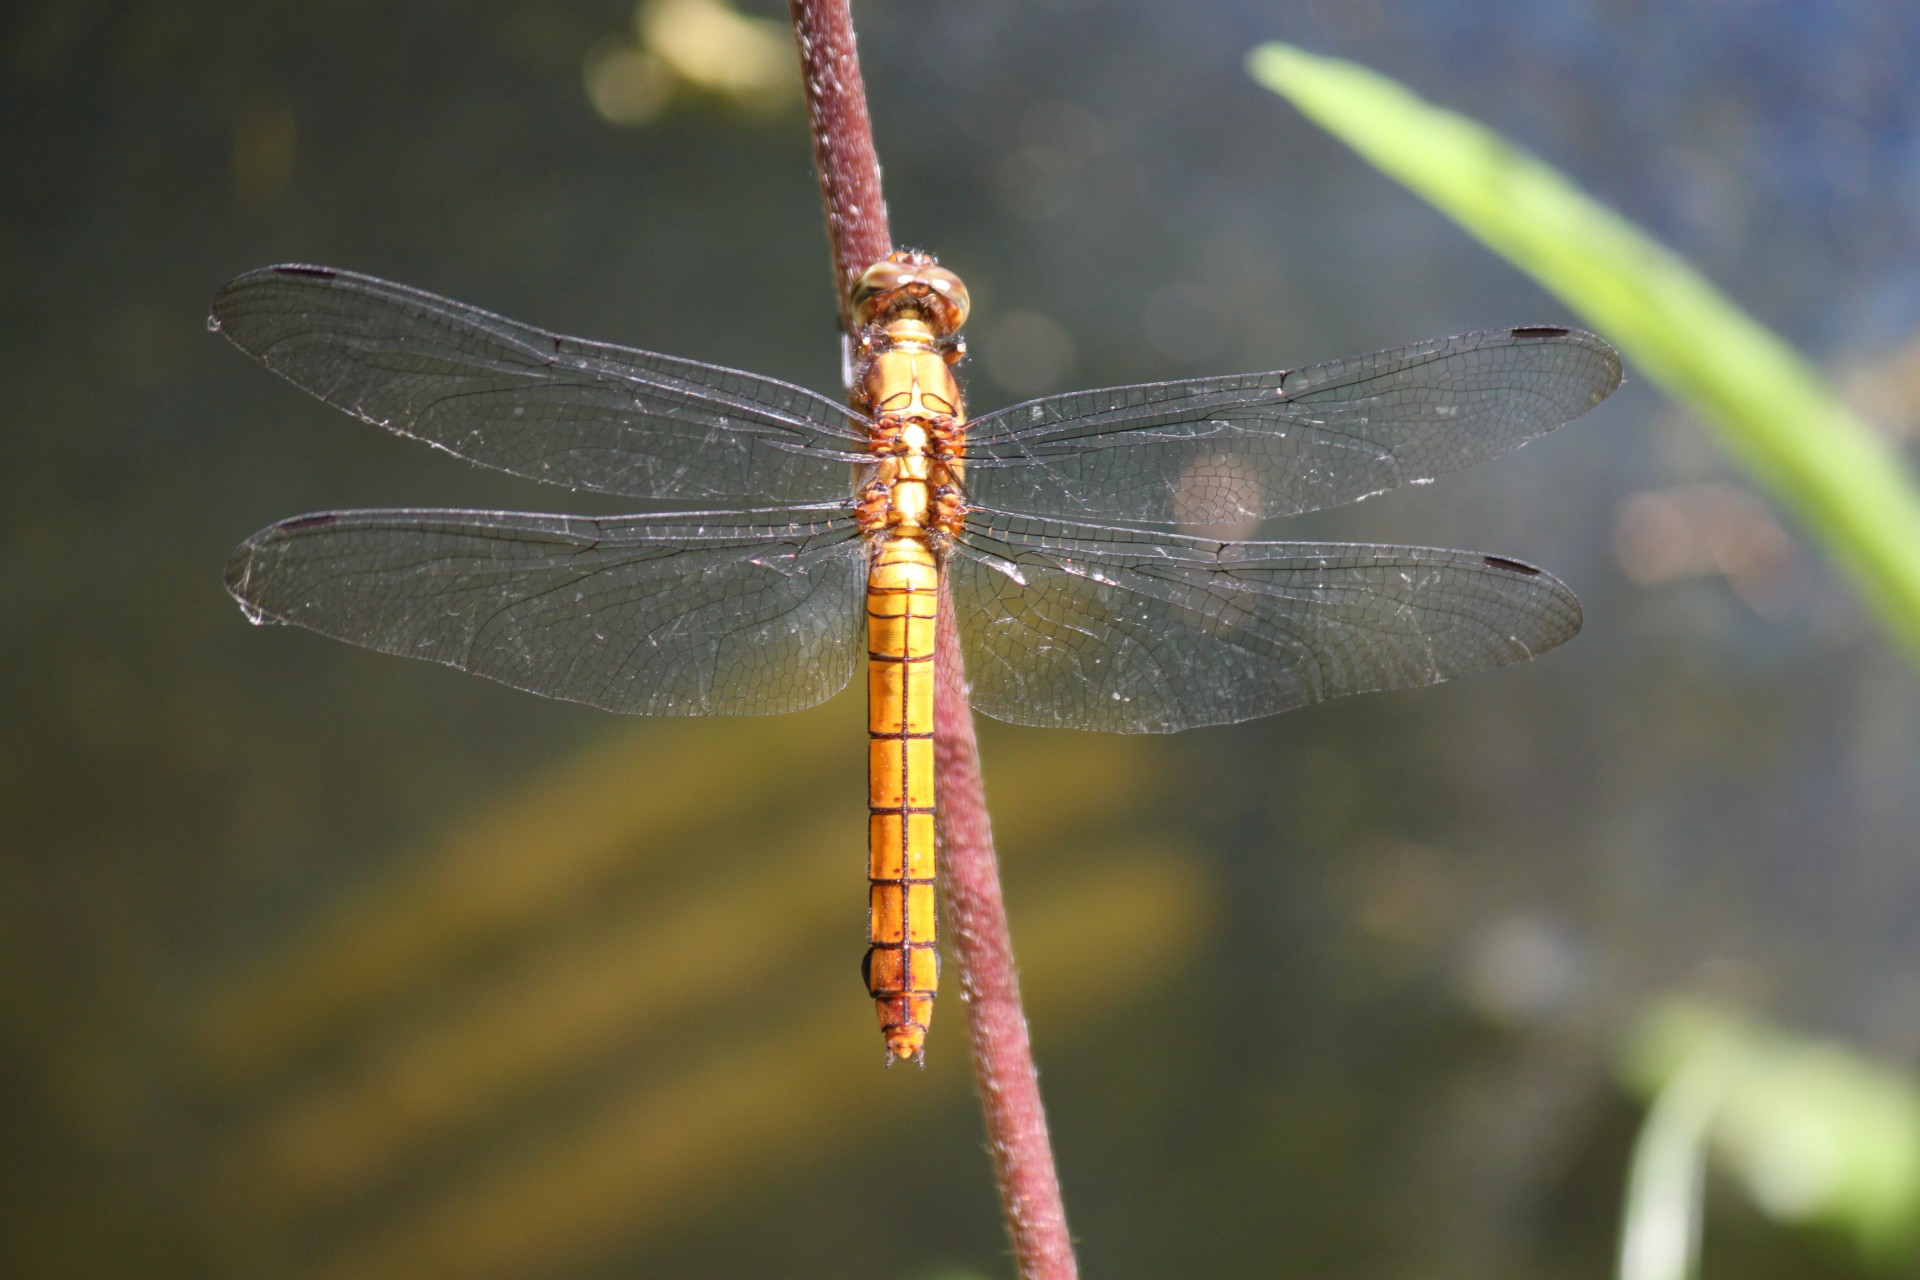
(1768,405)
(1818,1133)
(1660,1225)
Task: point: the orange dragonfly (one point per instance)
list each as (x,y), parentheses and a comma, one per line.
(1069,530)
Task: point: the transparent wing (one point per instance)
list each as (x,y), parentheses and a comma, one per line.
(581,414)
(689,614)
(1128,631)
(1223,450)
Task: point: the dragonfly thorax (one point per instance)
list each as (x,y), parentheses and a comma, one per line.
(909,388)
(915,488)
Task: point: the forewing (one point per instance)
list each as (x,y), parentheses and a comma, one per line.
(688,614)
(1225,450)
(1137,632)
(585,415)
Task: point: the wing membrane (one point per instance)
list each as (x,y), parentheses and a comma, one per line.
(1223,450)
(586,415)
(1137,632)
(688,614)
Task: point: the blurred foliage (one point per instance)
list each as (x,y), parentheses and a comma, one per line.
(692,47)
(1818,1133)
(1769,405)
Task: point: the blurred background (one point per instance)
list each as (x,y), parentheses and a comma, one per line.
(315,963)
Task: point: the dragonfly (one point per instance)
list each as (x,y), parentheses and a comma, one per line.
(798,536)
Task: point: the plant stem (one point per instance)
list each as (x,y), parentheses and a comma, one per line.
(1003,1069)
(843,152)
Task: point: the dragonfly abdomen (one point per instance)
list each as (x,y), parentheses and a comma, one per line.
(902,965)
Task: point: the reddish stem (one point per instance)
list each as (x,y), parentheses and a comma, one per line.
(843,152)
(1003,1067)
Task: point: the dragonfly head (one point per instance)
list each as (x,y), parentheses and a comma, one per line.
(910,282)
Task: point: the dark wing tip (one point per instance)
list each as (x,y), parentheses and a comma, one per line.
(247,279)
(1571,617)
(1560,333)
(1510,566)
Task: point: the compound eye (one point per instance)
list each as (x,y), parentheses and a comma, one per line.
(873,294)
(945,301)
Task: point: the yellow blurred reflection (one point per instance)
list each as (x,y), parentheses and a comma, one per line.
(657,943)
(692,46)
(534,854)
(265,144)
(744,1105)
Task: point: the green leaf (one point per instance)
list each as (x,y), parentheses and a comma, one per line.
(1818,1133)
(1768,405)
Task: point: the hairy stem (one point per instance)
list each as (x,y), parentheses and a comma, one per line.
(1003,1070)
(843,152)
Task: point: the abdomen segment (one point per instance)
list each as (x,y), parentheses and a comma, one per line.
(902,965)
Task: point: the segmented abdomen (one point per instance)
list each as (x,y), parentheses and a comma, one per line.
(902,964)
